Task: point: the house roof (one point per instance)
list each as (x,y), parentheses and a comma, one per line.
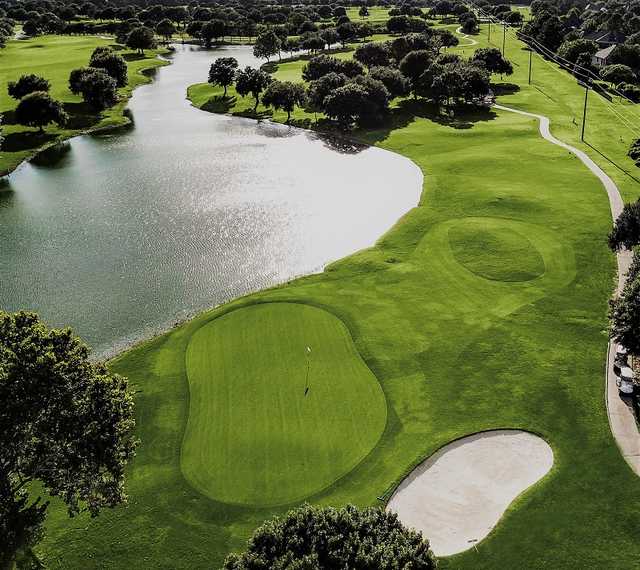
(605,37)
(604,53)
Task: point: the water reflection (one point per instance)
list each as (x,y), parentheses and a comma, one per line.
(131,232)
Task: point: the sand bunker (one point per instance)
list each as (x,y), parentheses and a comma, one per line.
(456,496)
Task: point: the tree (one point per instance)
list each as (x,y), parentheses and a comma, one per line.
(346,104)
(624,316)
(363,12)
(266,44)
(312,43)
(571,50)
(330,36)
(166,29)
(469,23)
(397,84)
(492,60)
(373,54)
(323,86)
(31,28)
(626,229)
(38,109)
(321,65)
(65,423)
(98,89)
(413,65)
(411,42)
(618,73)
(284,95)
(112,63)
(346,32)
(398,24)
(212,30)
(329,538)
(76,77)
(27,84)
(141,38)
(252,81)
(222,72)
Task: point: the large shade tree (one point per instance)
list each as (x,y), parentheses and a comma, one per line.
(66,423)
(223,71)
(39,109)
(27,84)
(284,95)
(252,81)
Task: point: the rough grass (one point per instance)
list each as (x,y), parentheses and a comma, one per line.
(261,431)
(53,57)
(454,352)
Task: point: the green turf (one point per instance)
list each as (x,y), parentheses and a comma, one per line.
(455,352)
(494,252)
(53,57)
(260,432)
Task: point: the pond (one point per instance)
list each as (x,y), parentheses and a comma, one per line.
(124,234)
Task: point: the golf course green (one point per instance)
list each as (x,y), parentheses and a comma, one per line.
(281,405)
(483,308)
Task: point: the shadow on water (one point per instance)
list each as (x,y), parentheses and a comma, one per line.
(56,156)
(340,144)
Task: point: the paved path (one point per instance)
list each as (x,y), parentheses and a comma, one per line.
(621,418)
(471,41)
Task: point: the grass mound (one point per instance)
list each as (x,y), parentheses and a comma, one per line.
(261,431)
(495,253)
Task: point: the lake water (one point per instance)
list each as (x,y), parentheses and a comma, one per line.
(129,232)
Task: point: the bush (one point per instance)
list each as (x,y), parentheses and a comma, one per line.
(618,73)
(27,84)
(328,539)
(112,63)
(630,91)
(38,109)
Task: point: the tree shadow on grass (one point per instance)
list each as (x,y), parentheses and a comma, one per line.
(81,116)
(504,88)
(454,116)
(26,140)
(133,56)
(219,104)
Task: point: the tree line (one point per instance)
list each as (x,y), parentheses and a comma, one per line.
(570,30)
(359,91)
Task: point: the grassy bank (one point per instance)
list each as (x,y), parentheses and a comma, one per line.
(54,57)
(484,307)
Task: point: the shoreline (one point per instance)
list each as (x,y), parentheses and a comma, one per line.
(97,129)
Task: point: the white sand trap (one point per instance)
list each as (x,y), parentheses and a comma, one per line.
(456,496)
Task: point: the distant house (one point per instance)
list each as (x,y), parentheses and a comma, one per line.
(600,58)
(604,38)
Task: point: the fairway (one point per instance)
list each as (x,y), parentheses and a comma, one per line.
(261,433)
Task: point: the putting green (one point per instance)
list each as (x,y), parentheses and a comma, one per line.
(496,253)
(253,436)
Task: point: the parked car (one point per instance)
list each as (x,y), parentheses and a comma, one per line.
(625,381)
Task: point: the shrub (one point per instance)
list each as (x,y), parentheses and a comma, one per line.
(328,538)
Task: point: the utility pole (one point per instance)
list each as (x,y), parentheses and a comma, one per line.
(530,54)
(489,37)
(584,112)
(504,36)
